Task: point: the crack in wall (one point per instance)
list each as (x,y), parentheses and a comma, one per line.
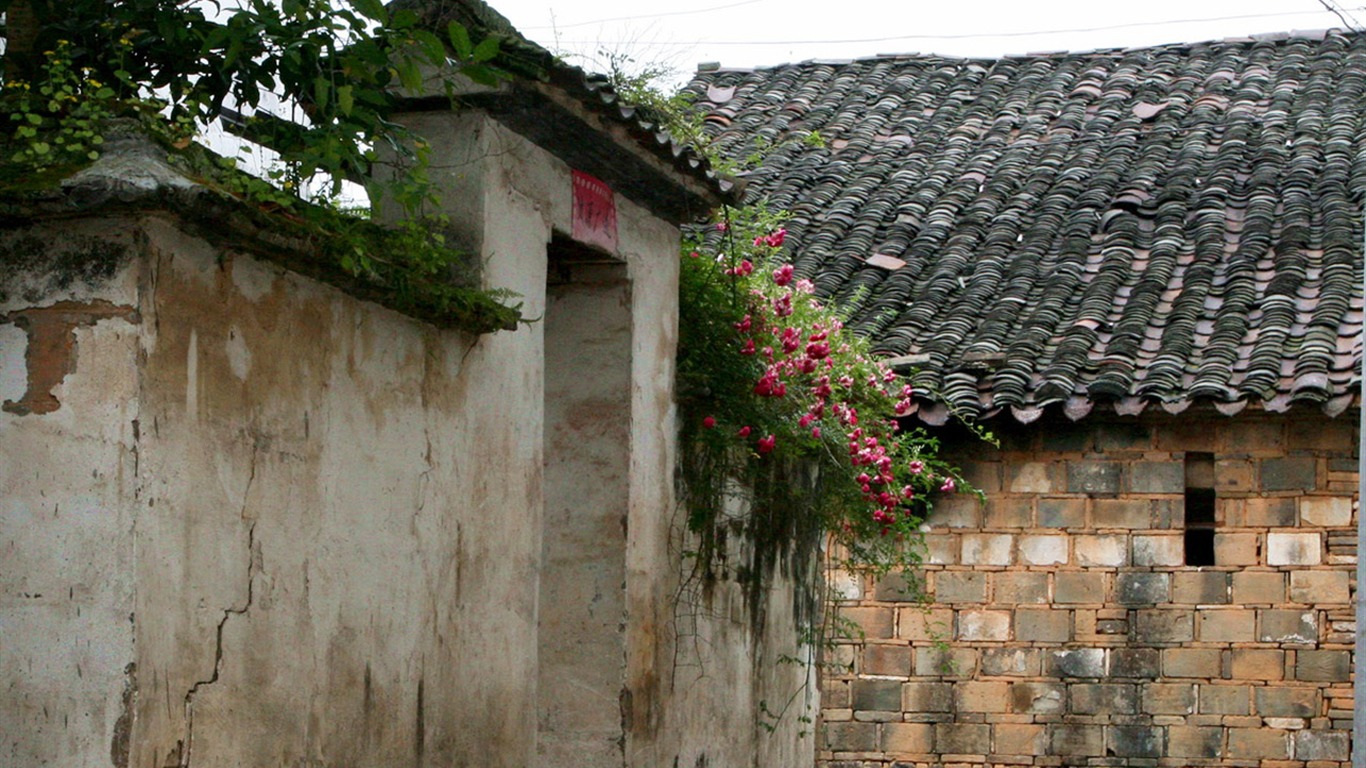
(187,752)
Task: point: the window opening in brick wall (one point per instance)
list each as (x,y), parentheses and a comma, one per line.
(1200,509)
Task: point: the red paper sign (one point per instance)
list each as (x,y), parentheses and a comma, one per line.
(595,213)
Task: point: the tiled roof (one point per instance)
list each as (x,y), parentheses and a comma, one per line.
(1163,225)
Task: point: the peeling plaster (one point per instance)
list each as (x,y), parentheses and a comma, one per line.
(239,356)
(13,370)
(51,352)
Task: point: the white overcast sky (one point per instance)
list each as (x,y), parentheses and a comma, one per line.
(745,33)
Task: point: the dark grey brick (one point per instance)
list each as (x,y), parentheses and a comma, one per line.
(1076,740)
(1142,588)
(1157,477)
(1136,741)
(1103,698)
(1288,474)
(877,695)
(1140,663)
(1164,627)
(900,588)
(1076,662)
(1093,476)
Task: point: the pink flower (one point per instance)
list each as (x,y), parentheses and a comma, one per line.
(776,239)
(766,444)
(903,407)
(805,420)
(805,286)
(695,255)
(806,365)
(744,431)
(907,492)
(783,275)
(746,266)
(816,432)
(709,422)
(949,485)
(748,348)
(819,350)
(745,324)
(782,306)
(722,226)
(916,466)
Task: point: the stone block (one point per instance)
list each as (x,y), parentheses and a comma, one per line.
(1116,438)
(1076,740)
(941,549)
(1076,662)
(1122,513)
(1157,477)
(1258,744)
(1195,741)
(1288,626)
(1043,625)
(983,625)
(1225,700)
(1234,476)
(877,695)
(1190,435)
(962,739)
(851,737)
(1258,588)
(1323,666)
(1319,587)
(1101,551)
(1287,701)
(1293,548)
(945,662)
(979,696)
(1326,511)
(960,587)
(1062,513)
(1010,662)
(1200,587)
(1192,662)
(1227,625)
(1038,698)
(927,697)
(1236,549)
(1169,698)
(1010,512)
(960,511)
(1019,587)
(902,587)
(908,738)
(880,659)
(1093,476)
(1296,473)
(1136,741)
(988,549)
(1140,663)
(985,476)
(1158,626)
(1269,513)
(875,622)
(1322,745)
(1029,477)
(1103,698)
(923,623)
(1142,588)
(1244,435)
(1019,739)
(1160,550)
(1079,587)
(1043,550)
(1257,664)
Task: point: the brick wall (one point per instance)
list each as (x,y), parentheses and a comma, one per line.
(1062,626)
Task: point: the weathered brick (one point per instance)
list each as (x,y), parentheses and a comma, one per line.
(1030,477)
(1043,550)
(1122,513)
(908,738)
(1258,744)
(1195,741)
(985,476)
(941,549)
(988,549)
(1009,511)
(901,587)
(1258,588)
(1225,700)
(1187,435)
(1192,662)
(1287,626)
(1233,476)
(877,695)
(881,659)
(1010,662)
(1062,513)
(1159,550)
(1236,549)
(1169,698)
(1294,548)
(1103,698)
(1076,662)
(1200,587)
(979,696)
(923,623)
(1136,741)
(1043,625)
(1269,513)
(1079,587)
(1038,698)
(962,739)
(960,587)
(1019,587)
(984,625)
(1257,664)
(1157,477)
(1019,739)
(945,662)
(1287,701)
(1160,626)
(1142,588)
(927,697)
(1093,476)
(1319,587)
(1076,740)
(1227,625)
(1322,745)
(1326,511)
(1323,666)
(1296,473)
(1113,438)
(875,622)
(1101,551)
(1141,663)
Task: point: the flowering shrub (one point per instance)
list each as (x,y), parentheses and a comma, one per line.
(786,412)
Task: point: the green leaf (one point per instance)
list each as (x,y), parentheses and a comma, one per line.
(345,99)
(486,50)
(322,91)
(460,40)
(409,74)
(371,9)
